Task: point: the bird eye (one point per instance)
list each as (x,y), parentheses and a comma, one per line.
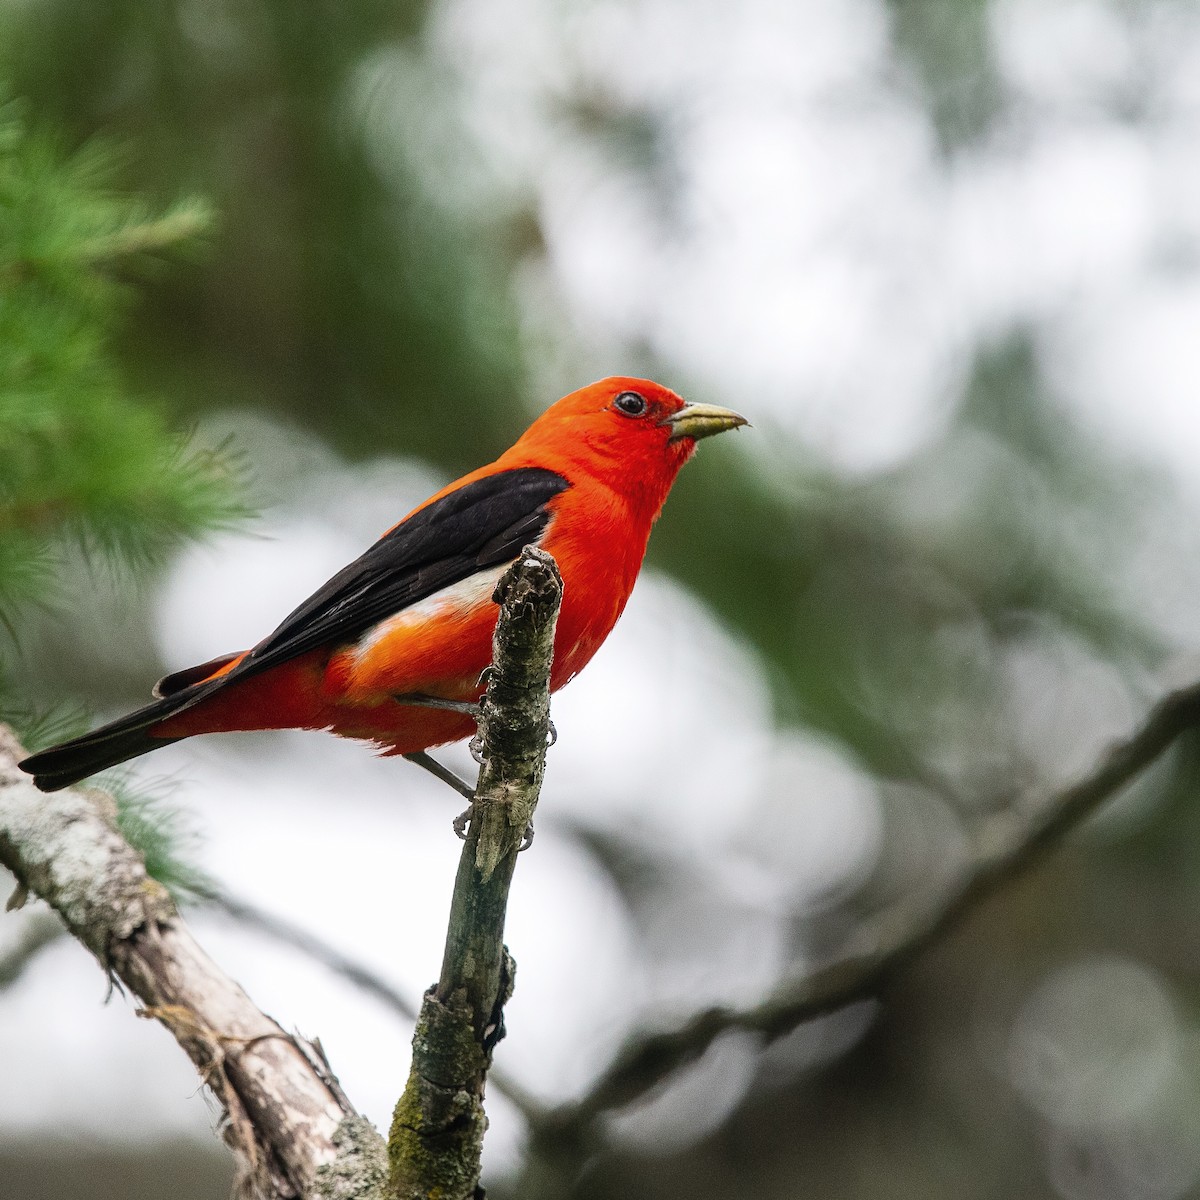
(630,403)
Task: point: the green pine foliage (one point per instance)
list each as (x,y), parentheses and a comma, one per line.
(165,836)
(81,461)
(85,465)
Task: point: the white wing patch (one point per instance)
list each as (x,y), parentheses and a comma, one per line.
(458,597)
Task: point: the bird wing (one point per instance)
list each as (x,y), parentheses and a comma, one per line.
(480,525)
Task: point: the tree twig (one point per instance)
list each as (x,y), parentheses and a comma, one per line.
(361,976)
(289,934)
(285,1118)
(1004,848)
(437,1132)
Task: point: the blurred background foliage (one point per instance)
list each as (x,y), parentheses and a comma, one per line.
(88,468)
(957,623)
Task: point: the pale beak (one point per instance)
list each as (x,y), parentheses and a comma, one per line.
(701,421)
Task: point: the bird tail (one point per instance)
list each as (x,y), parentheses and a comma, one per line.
(128,737)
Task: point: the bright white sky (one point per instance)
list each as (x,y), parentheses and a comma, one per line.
(818,263)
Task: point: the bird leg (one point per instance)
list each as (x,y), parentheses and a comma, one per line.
(431,764)
(460,785)
(463,788)
(469,708)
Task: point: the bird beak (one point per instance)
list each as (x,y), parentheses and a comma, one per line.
(701,421)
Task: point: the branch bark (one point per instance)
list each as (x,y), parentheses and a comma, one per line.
(292,1130)
(1004,848)
(437,1131)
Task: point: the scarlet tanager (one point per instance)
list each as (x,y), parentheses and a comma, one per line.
(413,617)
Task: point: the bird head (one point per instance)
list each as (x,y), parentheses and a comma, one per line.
(633,434)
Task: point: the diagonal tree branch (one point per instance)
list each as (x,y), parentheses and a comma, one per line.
(286,1119)
(1005,847)
(437,1131)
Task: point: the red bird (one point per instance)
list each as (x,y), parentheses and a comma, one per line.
(413,617)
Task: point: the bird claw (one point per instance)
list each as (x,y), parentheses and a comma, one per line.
(463,821)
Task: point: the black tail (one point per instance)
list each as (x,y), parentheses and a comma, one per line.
(63,765)
(123,739)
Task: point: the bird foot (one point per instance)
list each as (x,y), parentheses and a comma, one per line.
(463,820)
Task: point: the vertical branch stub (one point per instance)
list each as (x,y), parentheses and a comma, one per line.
(437,1131)
(515,725)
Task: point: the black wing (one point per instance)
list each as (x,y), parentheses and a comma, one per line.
(481,525)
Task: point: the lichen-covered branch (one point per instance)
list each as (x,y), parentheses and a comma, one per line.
(1004,848)
(286,1119)
(437,1131)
